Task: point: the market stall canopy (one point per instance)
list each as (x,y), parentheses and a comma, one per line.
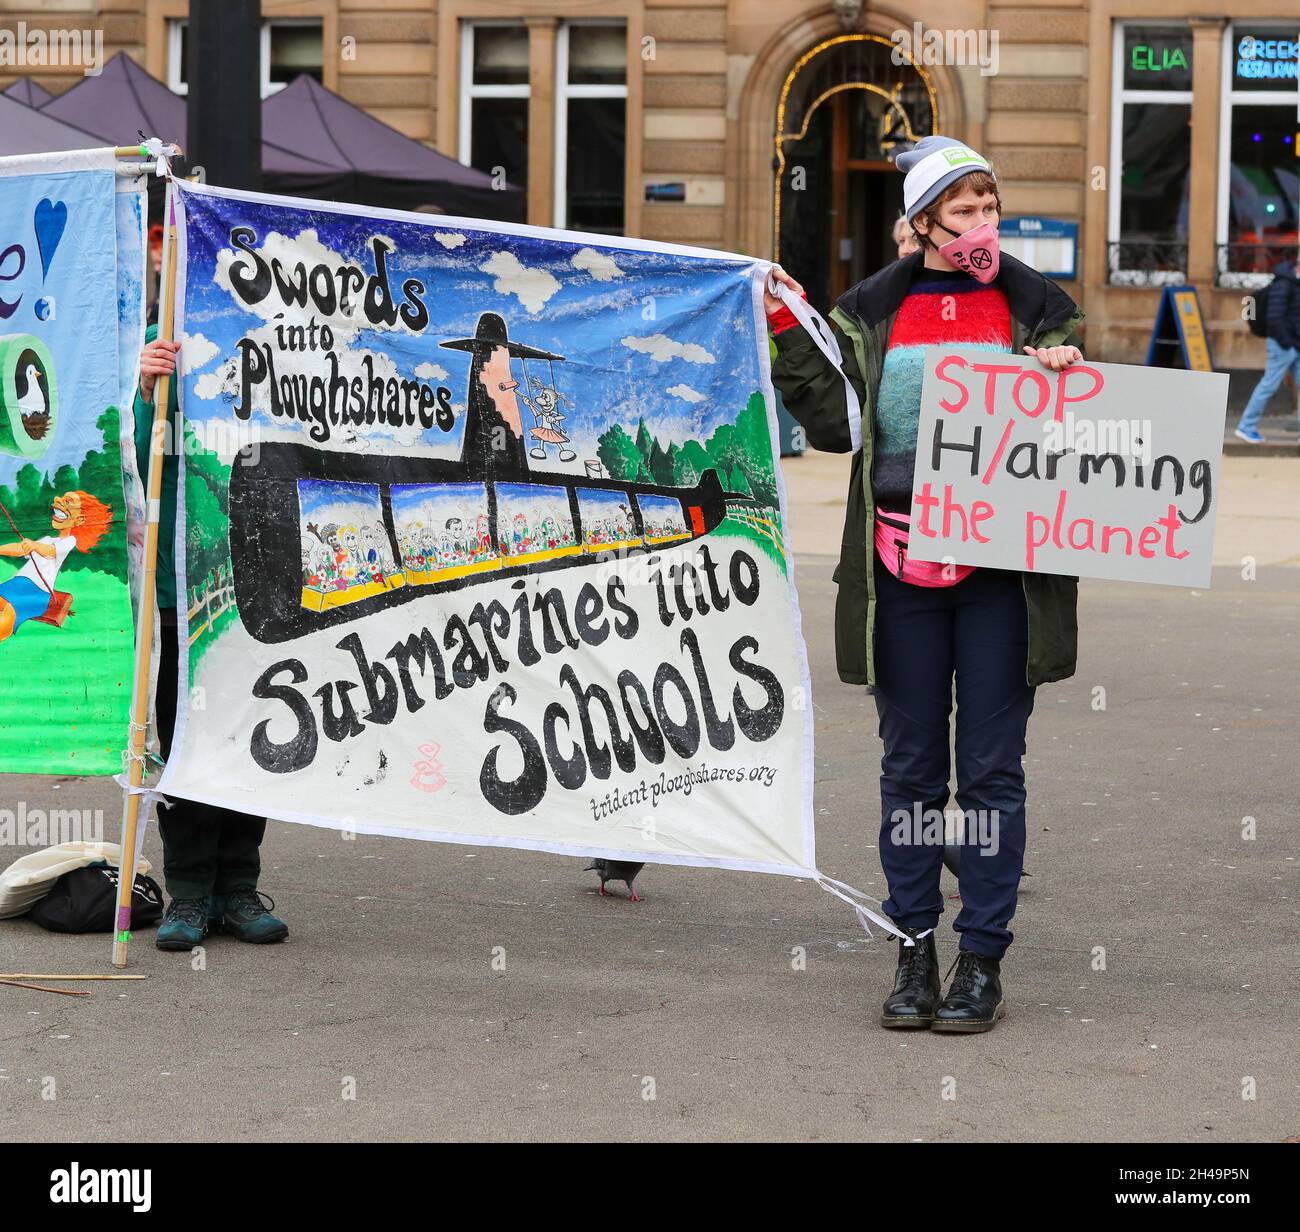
(25,131)
(28,90)
(124,100)
(314,144)
(120,103)
(369,162)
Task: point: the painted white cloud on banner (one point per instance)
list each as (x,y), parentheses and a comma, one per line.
(685,393)
(532,287)
(295,369)
(661,348)
(449,239)
(612,301)
(221,381)
(196,352)
(600,265)
(307,248)
(224,383)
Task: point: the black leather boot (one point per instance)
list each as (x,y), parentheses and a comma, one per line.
(916,984)
(974,1001)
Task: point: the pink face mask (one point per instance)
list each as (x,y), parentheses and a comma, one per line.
(974,251)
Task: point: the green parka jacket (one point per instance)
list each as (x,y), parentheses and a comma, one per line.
(813,391)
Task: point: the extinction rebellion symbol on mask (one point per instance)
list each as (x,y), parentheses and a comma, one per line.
(980,258)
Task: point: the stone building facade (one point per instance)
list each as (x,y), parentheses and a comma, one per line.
(1160,137)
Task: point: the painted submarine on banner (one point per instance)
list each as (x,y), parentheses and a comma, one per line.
(415,526)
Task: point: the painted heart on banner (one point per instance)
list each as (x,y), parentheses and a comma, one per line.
(50,221)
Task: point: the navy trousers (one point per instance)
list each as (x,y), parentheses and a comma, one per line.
(977,632)
(206,849)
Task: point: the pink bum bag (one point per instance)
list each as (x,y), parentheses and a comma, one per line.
(891,547)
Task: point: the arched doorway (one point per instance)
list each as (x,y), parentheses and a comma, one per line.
(846,106)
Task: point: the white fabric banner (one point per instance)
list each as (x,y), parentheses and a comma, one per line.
(59,162)
(484,537)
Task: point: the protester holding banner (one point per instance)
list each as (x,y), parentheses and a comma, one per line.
(905,628)
(211,856)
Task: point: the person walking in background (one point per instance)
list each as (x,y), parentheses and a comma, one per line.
(907,631)
(1282,328)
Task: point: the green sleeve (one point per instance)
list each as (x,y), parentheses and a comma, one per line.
(143,412)
(1063,335)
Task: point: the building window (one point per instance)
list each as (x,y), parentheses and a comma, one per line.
(288,47)
(1259,175)
(590,126)
(1151,154)
(178,41)
(494,102)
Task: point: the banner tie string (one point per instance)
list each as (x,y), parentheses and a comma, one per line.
(858,900)
(821,334)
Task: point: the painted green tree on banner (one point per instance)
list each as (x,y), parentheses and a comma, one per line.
(618,454)
(741,453)
(207,510)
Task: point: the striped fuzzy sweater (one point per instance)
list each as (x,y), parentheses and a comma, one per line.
(943,307)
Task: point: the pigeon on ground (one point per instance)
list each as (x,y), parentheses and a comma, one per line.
(616,870)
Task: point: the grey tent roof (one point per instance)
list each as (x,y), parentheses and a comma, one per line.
(25,131)
(314,143)
(121,102)
(369,162)
(28,90)
(125,100)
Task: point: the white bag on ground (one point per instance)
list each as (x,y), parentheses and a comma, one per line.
(31,877)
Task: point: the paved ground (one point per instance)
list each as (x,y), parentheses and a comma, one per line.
(1136,822)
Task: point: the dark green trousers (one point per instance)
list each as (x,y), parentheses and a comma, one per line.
(206,850)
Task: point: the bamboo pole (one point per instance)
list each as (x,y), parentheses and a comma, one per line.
(144,623)
(28,975)
(142,151)
(62,992)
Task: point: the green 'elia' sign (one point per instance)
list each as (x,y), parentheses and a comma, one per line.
(1146,59)
(1157,57)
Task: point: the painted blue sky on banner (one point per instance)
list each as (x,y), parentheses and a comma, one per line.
(644,334)
(57,257)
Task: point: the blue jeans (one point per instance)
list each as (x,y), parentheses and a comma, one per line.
(1280,361)
(976,631)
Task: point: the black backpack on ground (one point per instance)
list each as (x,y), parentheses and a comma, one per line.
(1258,320)
(85,901)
